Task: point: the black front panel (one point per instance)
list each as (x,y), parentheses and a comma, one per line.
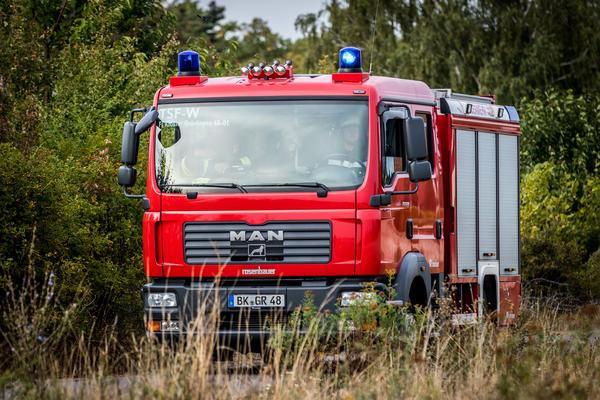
(234,243)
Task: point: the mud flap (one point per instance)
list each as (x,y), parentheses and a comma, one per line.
(413,265)
(489,288)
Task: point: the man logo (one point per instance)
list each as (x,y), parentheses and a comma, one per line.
(240,236)
(257,250)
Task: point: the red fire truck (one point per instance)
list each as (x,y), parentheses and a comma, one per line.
(265,186)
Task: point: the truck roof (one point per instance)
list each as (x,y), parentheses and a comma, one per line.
(302,85)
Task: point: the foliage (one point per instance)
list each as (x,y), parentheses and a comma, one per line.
(260,44)
(368,324)
(560,203)
(509,49)
(192,22)
(428,357)
(62,211)
(561,127)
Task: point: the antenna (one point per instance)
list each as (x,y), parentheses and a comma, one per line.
(373,38)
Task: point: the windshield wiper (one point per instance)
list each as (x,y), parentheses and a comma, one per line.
(216,185)
(322,192)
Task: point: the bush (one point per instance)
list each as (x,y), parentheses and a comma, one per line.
(68,217)
(560,199)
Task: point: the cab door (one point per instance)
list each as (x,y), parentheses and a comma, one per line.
(428,209)
(411,222)
(394,177)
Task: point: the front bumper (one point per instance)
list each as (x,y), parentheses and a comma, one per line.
(208,300)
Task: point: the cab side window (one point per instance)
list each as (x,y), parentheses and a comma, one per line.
(426,117)
(392,164)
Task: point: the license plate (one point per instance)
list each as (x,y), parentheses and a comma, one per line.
(256,300)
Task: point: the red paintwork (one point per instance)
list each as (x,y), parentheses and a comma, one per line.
(510,301)
(349,77)
(186,80)
(367,241)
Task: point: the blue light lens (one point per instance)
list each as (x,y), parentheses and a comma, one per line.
(188,63)
(350,58)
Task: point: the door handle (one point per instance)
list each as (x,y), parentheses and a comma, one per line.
(409,228)
(438,229)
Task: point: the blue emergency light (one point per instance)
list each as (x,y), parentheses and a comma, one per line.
(350,60)
(188,63)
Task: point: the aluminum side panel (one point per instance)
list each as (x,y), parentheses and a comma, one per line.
(466,224)
(486,160)
(509,204)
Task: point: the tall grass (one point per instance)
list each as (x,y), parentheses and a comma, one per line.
(369,350)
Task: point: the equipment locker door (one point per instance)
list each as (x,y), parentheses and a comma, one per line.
(466,203)
(487,198)
(476,199)
(508,213)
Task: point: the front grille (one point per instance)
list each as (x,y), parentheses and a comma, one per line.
(251,321)
(233,243)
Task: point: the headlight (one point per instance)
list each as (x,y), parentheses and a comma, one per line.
(350,298)
(162,300)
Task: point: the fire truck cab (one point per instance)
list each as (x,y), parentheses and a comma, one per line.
(266,186)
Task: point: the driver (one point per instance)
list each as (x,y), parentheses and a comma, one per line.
(205,159)
(213,154)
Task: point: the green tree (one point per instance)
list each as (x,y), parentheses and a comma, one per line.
(259,44)
(62,210)
(194,22)
(510,49)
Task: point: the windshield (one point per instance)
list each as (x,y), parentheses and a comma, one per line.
(261,143)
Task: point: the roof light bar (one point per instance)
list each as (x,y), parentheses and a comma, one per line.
(262,71)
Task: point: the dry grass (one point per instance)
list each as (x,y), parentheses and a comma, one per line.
(550,354)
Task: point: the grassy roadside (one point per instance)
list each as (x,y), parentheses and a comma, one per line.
(370,350)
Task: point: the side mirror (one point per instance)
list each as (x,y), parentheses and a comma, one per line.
(127,176)
(415,140)
(419,171)
(130,144)
(129,150)
(146,122)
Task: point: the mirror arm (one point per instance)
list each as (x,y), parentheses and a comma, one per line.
(385,199)
(137,110)
(132,196)
(145,200)
(412,191)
